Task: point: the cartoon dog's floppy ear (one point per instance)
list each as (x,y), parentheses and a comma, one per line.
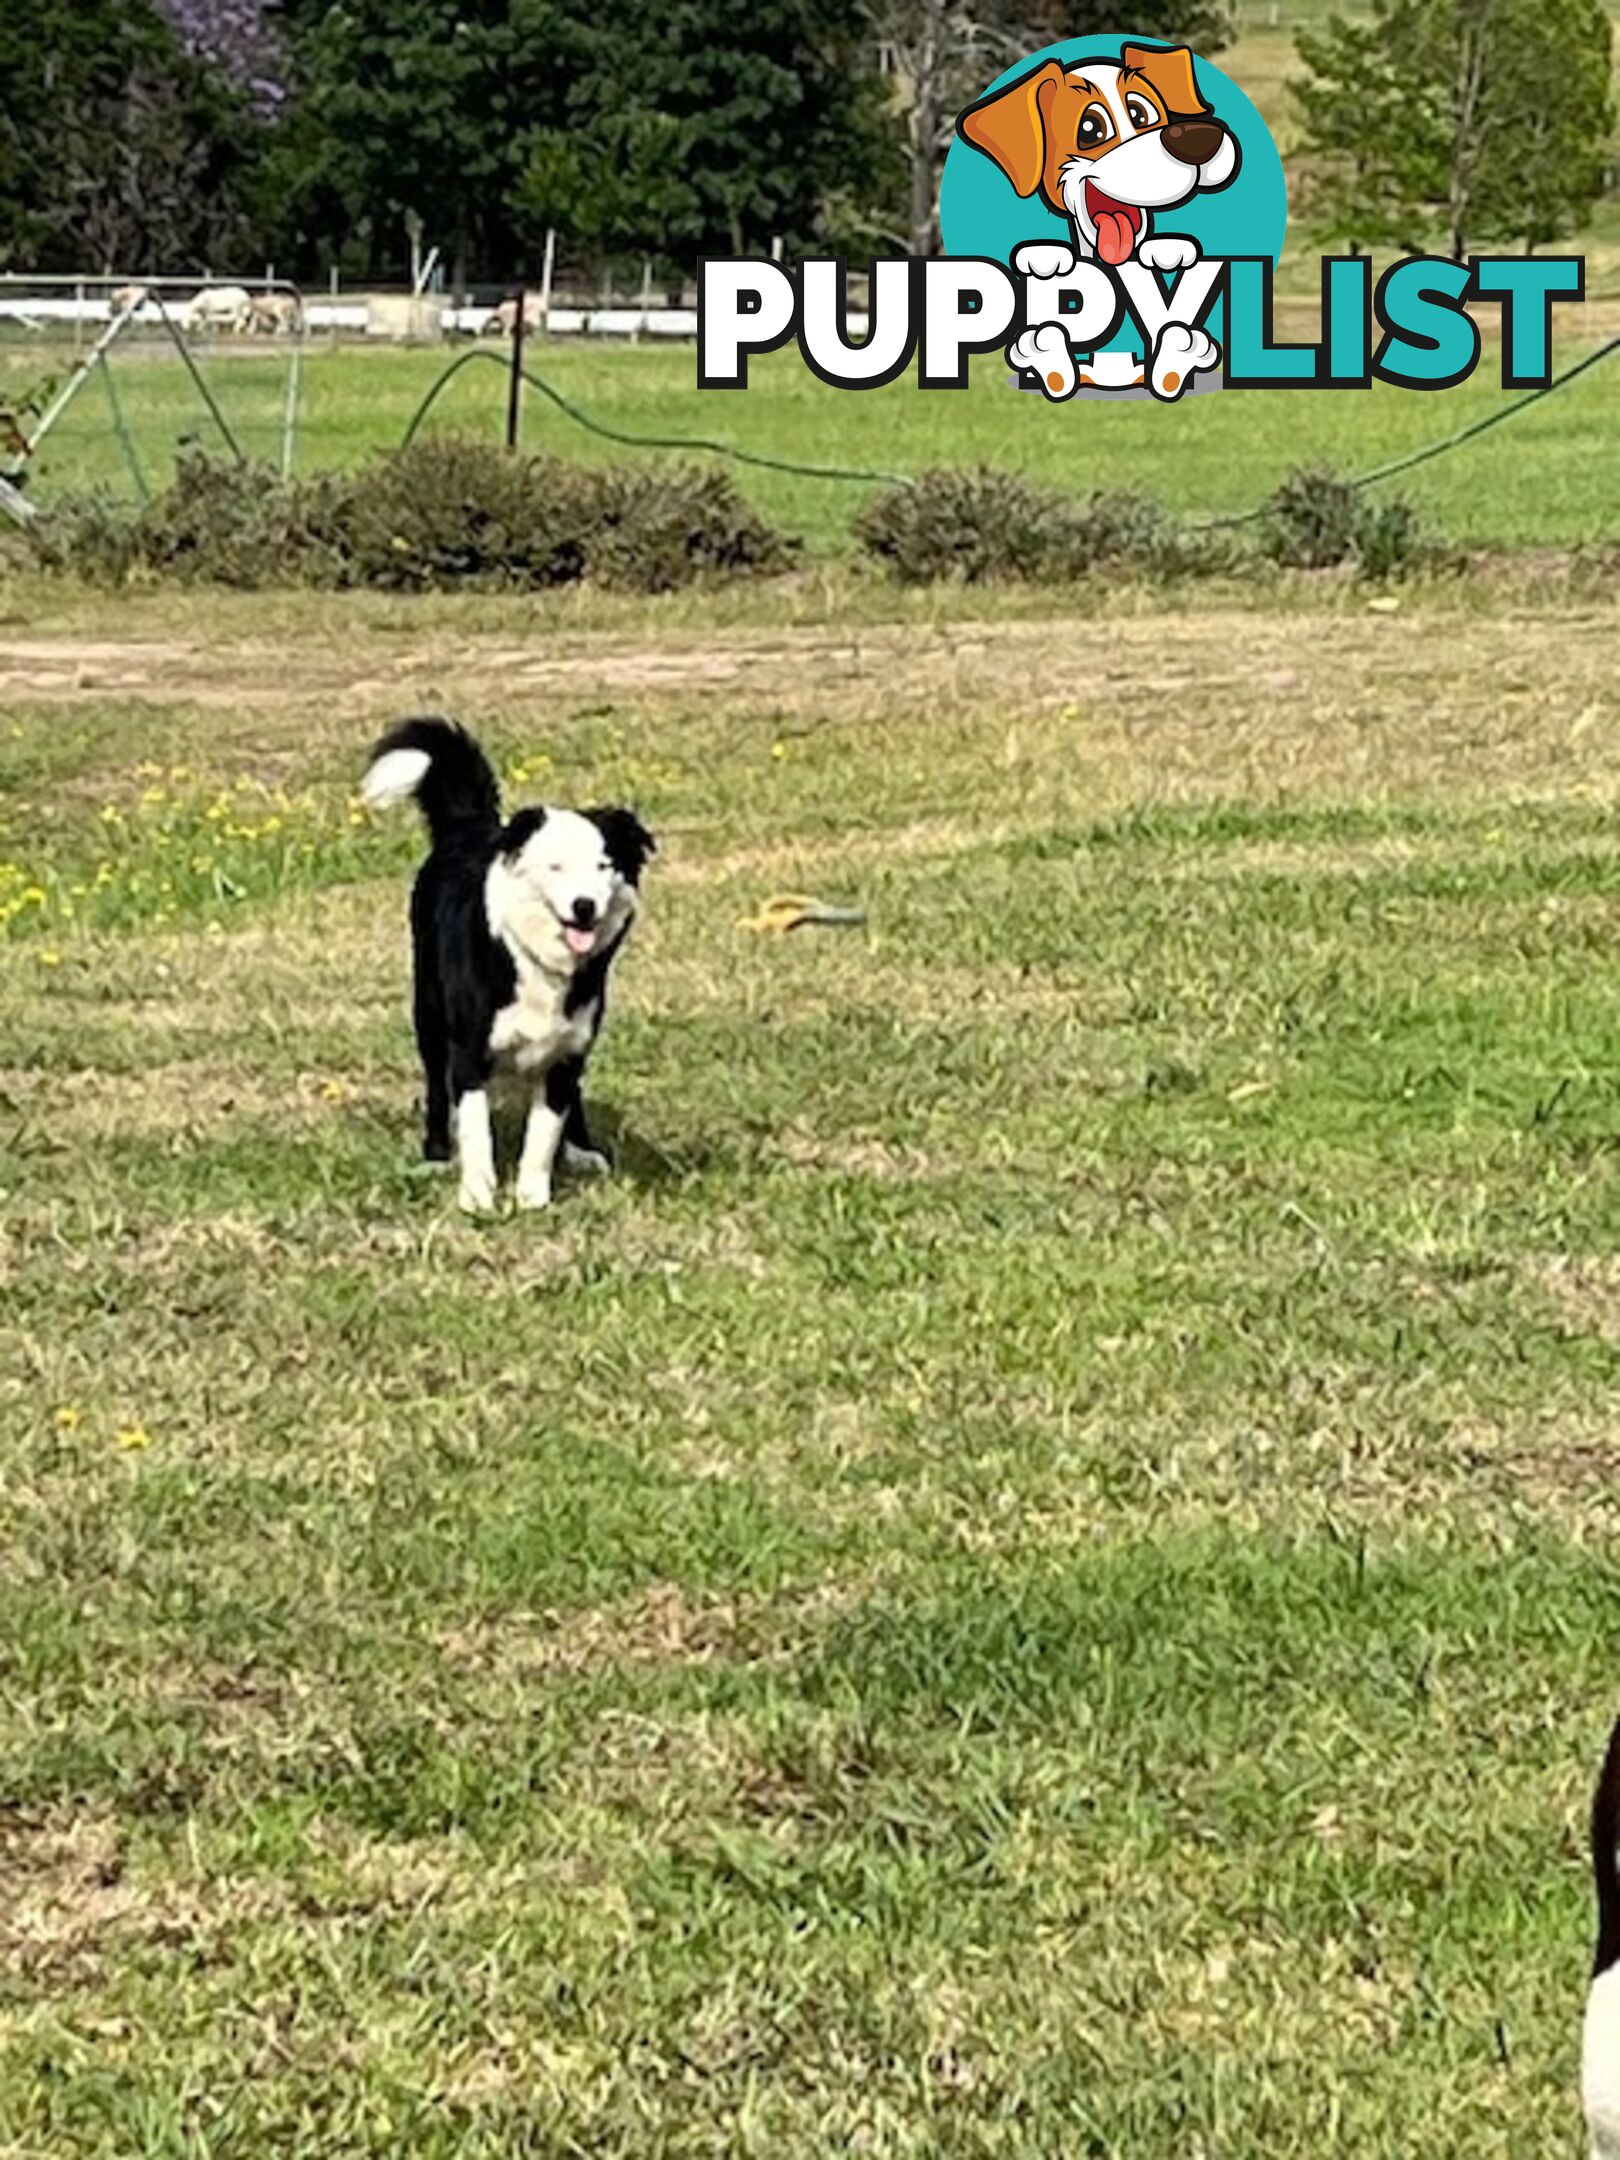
(1170,73)
(1010,126)
(627,840)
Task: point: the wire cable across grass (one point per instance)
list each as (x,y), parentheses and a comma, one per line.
(1442,444)
(1406,462)
(578,414)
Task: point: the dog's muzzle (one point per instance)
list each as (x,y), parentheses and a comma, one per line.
(1192,142)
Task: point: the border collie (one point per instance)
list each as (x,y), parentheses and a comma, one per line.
(1600,2048)
(515,927)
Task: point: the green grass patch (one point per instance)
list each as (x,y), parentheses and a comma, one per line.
(1216,456)
(1034,1576)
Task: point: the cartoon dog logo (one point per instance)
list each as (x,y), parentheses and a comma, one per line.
(1108,144)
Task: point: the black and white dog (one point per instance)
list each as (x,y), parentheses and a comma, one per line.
(1600,2049)
(515,927)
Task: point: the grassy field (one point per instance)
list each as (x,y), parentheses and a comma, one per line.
(1034,1577)
(1545,478)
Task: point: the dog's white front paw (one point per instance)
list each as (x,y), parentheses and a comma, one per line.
(1043,259)
(1044,351)
(476,1196)
(1179,355)
(1172,252)
(533,1193)
(586,1161)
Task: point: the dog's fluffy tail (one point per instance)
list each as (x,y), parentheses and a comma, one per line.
(1605,1863)
(440,764)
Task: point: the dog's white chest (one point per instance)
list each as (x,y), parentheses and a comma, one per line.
(1600,2065)
(535,1030)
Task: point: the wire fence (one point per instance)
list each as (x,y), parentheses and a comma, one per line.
(109,403)
(104,382)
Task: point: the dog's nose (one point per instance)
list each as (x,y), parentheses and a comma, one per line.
(1193,142)
(585,913)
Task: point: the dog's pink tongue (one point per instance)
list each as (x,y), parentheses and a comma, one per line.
(1115,233)
(579,941)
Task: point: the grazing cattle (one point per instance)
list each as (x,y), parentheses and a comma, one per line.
(503,319)
(274,314)
(225,308)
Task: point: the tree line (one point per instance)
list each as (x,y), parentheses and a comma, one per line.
(183,135)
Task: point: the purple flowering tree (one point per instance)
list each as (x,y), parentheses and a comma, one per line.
(239,39)
(127,147)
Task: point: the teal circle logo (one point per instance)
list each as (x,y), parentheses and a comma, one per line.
(1121,151)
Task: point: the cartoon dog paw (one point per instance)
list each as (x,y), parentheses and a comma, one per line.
(1044,352)
(1171,252)
(1043,259)
(1179,355)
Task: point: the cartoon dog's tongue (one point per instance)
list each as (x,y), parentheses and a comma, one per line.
(1115,222)
(1115,233)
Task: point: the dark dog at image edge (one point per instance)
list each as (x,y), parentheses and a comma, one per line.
(1600,2051)
(515,926)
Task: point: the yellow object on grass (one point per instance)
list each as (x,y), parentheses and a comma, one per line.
(794,911)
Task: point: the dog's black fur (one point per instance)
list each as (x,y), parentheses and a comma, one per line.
(1605,1868)
(465,974)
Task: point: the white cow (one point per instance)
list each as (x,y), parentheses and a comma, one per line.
(225,308)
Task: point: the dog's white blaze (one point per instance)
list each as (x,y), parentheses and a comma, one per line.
(1600,2065)
(529,895)
(394,777)
(475,1151)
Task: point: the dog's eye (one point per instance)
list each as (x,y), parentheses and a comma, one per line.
(604,866)
(1141,112)
(1095,127)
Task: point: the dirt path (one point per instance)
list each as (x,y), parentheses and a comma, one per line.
(1187,658)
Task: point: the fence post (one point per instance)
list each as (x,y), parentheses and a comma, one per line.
(546,270)
(514,390)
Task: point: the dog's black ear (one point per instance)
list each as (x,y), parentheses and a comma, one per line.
(521,829)
(627,840)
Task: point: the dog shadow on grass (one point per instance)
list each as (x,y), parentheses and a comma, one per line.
(640,1161)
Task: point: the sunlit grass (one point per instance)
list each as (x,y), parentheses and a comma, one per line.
(1034,1577)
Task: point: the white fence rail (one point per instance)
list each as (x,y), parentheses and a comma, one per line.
(384,316)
